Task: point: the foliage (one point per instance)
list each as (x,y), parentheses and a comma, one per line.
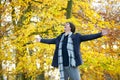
(22,20)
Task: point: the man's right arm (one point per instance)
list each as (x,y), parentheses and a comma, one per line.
(48,41)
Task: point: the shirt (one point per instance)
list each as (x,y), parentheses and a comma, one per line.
(65,52)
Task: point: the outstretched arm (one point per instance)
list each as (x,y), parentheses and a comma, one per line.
(47,41)
(90,37)
(94,36)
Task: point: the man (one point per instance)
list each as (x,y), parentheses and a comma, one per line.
(67,56)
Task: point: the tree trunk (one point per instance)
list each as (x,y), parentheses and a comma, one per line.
(23,17)
(1,75)
(0,14)
(41,76)
(69,9)
(20,76)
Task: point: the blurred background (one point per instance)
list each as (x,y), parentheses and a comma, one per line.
(21,20)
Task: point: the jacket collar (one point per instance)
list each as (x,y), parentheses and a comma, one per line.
(72,34)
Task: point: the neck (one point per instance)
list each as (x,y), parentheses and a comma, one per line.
(66,33)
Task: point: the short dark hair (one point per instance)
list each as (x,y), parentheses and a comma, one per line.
(72,26)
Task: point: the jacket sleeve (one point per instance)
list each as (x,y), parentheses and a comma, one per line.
(90,37)
(48,41)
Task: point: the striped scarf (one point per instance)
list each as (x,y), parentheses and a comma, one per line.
(71,56)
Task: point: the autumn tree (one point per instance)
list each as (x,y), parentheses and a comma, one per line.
(108,47)
(22,20)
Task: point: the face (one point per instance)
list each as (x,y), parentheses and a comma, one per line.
(67,27)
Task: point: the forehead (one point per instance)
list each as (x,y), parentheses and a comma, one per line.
(67,23)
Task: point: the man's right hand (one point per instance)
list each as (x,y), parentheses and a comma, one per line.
(37,38)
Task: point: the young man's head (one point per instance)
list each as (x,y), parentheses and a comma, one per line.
(69,27)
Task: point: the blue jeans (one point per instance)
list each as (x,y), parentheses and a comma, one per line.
(72,73)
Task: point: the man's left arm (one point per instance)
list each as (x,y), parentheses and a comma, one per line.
(94,36)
